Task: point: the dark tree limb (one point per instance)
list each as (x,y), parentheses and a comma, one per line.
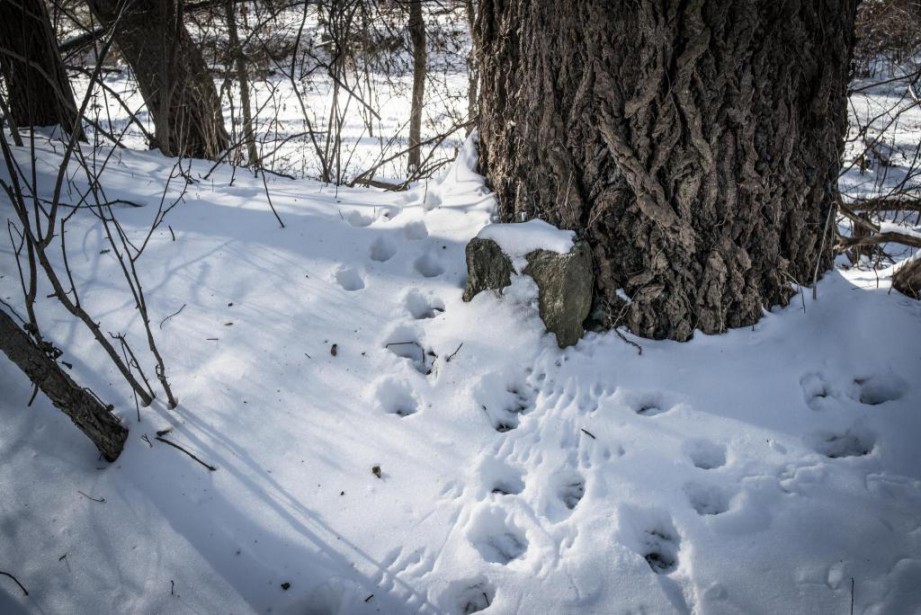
(84,409)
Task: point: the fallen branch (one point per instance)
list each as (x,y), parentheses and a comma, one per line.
(16,581)
(192,455)
(86,411)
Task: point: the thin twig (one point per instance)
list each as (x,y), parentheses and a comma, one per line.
(176,446)
(451,356)
(176,313)
(88,497)
(588,433)
(16,581)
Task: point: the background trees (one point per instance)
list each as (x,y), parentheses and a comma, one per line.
(38,90)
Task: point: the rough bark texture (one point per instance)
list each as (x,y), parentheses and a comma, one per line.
(171,74)
(39,93)
(907,280)
(86,412)
(695,145)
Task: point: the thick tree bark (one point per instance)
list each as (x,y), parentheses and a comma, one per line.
(39,92)
(695,145)
(420,65)
(171,73)
(85,410)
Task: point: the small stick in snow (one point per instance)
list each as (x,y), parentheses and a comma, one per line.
(368,599)
(147,440)
(451,356)
(101,500)
(171,315)
(852,595)
(589,434)
(639,349)
(210,467)
(16,581)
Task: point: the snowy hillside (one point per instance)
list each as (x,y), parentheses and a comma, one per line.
(383,447)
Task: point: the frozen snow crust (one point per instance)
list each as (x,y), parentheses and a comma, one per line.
(767,470)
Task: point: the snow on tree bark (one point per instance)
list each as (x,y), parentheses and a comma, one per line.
(695,145)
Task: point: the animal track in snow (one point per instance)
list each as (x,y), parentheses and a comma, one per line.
(500,478)
(815,390)
(572,491)
(506,415)
(404,343)
(396,397)
(661,551)
(470,596)
(707,499)
(705,455)
(421,307)
(851,443)
(880,388)
(349,279)
(644,404)
(652,534)
(428,266)
(383,249)
(416,230)
(496,538)
(356,218)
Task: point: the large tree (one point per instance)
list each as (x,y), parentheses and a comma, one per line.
(694,144)
(171,74)
(38,91)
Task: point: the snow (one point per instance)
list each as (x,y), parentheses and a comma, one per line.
(765,470)
(519,239)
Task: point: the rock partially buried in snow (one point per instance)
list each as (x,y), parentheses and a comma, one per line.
(561,267)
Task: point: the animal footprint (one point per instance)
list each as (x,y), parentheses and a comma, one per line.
(404,344)
(382,250)
(496,538)
(428,266)
(420,307)
(815,390)
(644,404)
(416,230)
(356,218)
(880,388)
(572,491)
(349,279)
(705,455)
(500,478)
(851,443)
(652,535)
(661,550)
(470,596)
(706,499)
(396,397)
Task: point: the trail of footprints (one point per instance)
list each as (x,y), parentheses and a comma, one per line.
(873,390)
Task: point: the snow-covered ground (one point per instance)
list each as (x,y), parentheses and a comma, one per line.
(383,447)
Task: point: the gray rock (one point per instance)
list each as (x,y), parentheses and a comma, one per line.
(564,282)
(488,267)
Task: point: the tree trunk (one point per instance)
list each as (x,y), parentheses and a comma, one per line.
(420,59)
(83,408)
(171,73)
(238,61)
(38,90)
(695,145)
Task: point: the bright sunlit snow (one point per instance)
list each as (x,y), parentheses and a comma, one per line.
(383,447)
